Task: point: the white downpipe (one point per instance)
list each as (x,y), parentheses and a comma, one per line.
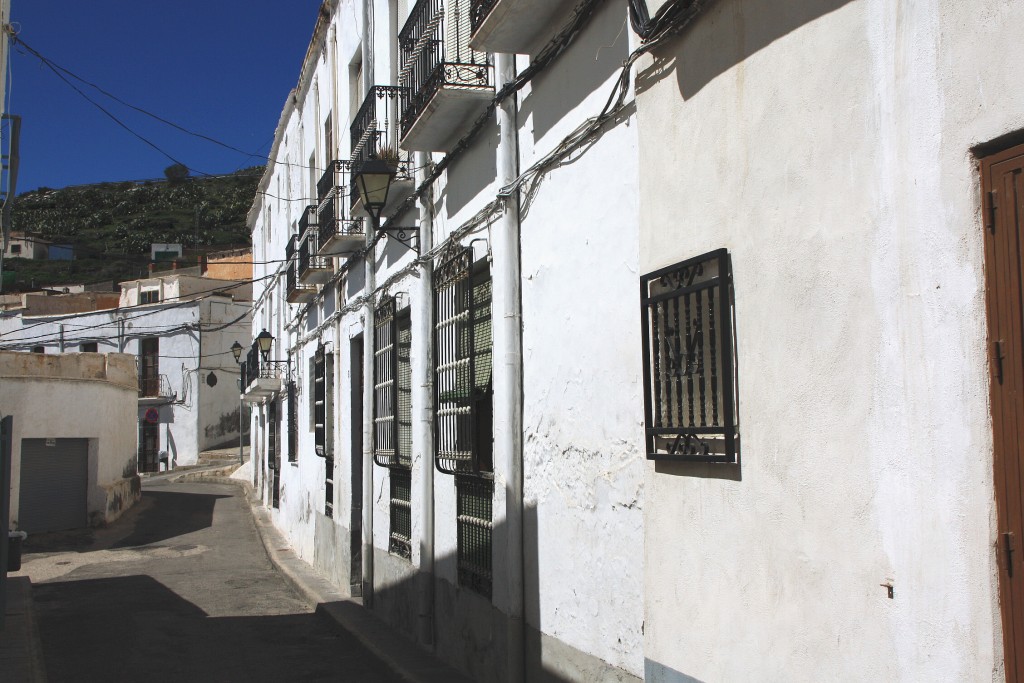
(423,343)
(508,429)
(368,357)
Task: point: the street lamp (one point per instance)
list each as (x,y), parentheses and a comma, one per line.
(265,341)
(373,179)
(236,351)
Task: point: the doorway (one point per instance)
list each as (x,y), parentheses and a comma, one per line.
(1003,201)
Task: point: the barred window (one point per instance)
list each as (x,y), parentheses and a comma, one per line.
(462,343)
(323,390)
(475,502)
(689,364)
(293,422)
(274,450)
(401,512)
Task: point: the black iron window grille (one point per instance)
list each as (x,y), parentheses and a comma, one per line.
(293,421)
(385,394)
(689,364)
(479,11)
(400,542)
(149,446)
(462,375)
(274,451)
(329,487)
(475,503)
(434,44)
(321,439)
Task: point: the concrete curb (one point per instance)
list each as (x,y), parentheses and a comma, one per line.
(406,658)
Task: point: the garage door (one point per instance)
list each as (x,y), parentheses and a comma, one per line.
(54,484)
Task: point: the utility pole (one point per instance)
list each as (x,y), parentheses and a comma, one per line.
(10,162)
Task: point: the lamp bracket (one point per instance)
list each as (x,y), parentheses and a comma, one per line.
(405,235)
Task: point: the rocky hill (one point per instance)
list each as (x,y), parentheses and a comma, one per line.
(111,225)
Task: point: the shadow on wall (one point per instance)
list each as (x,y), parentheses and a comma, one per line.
(726,34)
(471,634)
(474,170)
(595,56)
(658,673)
(136,628)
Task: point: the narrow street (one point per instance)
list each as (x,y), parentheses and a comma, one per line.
(181,589)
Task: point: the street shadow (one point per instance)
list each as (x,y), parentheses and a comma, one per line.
(134,628)
(164,515)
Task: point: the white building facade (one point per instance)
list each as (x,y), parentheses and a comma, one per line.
(795,451)
(181,335)
(474,472)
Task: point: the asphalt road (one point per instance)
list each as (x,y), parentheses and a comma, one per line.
(180,589)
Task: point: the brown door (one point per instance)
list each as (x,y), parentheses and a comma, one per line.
(1003,201)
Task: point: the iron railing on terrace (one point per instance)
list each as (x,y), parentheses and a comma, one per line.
(337,232)
(478,11)
(255,367)
(374,132)
(296,292)
(309,253)
(154,386)
(435,52)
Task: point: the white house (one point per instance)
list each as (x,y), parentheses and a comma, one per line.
(794,452)
(181,329)
(458,437)
(73,438)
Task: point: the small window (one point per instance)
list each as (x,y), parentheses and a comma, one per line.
(689,364)
(400,542)
(15,248)
(38,349)
(88,347)
(150,296)
(474,502)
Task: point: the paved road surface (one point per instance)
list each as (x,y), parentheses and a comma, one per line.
(180,589)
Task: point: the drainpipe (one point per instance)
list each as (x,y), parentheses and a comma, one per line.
(368,352)
(508,430)
(423,340)
(62,338)
(368,363)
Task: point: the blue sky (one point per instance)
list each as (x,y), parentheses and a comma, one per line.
(219,67)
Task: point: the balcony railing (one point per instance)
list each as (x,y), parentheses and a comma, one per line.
(297,292)
(154,386)
(436,56)
(518,26)
(313,268)
(478,11)
(337,233)
(374,134)
(261,378)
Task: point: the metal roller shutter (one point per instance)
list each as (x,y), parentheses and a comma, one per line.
(54,483)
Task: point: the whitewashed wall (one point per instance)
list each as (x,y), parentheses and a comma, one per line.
(828,146)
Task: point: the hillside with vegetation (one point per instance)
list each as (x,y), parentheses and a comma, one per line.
(112,225)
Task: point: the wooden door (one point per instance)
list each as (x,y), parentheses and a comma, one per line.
(1003,201)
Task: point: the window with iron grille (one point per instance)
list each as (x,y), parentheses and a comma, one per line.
(475,502)
(293,422)
(323,369)
(274,450)
(464,406)
(462,344)
(689,364)
(401,512)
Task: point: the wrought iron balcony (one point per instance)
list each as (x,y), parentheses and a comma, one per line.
(296,292)
(449,84)
(313,268)
(155,389)
(261,378)
(337,233)
(519,26)
(374,134)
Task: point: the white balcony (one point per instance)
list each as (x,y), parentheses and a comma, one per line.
(519,26)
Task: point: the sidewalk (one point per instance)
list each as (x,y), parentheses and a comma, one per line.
(21,653)
(408,659)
